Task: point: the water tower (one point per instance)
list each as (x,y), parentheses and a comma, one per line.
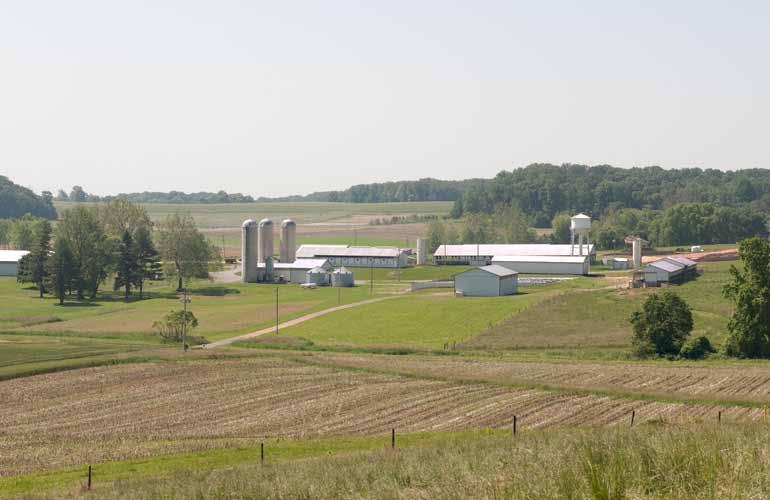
(249,244)
(580,225)
(265,247)
(288,250)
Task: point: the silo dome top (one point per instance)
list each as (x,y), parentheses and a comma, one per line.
(342,270)
(288,222)
(265,222)
(248,222)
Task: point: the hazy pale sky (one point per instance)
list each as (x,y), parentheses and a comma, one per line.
(276,98)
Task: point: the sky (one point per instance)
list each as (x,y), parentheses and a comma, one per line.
(277,98)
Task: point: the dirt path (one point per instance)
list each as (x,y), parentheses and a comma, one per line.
(295,321)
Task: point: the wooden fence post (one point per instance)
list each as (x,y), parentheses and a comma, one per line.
(89,478)
(393,438)
(633,415)
(514,425)
(262,453)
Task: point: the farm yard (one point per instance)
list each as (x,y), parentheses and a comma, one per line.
(91,383)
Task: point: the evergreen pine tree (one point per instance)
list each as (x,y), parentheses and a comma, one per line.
(127,264)
(150,267)
(61,268)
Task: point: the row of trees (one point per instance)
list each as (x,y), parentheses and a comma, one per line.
(114,240)
(78,194)
(543,190)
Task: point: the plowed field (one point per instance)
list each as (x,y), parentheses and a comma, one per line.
(95,414)
(746,383)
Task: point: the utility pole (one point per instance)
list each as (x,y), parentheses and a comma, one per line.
(398,265)
(276,310)
(371,277)
(339,295)
(185,301)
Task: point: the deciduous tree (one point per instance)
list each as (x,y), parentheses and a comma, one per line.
(662,326)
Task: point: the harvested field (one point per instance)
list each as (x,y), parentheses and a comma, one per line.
(95,414)
(745,383)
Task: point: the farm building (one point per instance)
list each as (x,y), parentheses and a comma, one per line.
(668,270)
(296,272)
(342,277)
(482,254)
(318,276)
(486,281)
(345,255)
(9,261)
(617,263)
(545,264)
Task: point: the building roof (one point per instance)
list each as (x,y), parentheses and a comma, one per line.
(682,260)
(499,271)
(666,265)
(310,251)
(342,270)
(12,255)
(580,216)
(551,259)
(298,264)
(317,270)
(471,250)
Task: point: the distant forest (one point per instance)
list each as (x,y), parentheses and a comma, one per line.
(15,201)
(542,191)
(387,192)
(78,194)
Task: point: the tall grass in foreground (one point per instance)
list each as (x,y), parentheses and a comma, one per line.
(652,461)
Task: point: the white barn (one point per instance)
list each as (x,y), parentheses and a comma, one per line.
(296,272)
(545,264)
(349,256)
(486,281)
(482,254)
(9,261)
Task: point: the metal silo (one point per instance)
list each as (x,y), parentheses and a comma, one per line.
(318,276)
(249,244)
(265,247)
(342,277)
(288,251)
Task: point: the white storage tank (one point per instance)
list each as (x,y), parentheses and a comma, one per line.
(342,277)
(580,225)
(265,231)
(288,250)
(249,244)
(318,276)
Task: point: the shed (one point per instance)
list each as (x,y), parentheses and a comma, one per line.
(545,264)
(342,277)
(487,281)
(667,271)
(9,261)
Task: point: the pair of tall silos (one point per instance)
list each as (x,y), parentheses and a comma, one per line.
(257,246)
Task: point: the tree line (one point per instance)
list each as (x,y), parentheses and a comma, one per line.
(504,225)
(543,190)
(117,242)
(386,192)
(15,201)
(78,194)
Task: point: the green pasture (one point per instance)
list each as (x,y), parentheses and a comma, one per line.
(596,324)
(233,214)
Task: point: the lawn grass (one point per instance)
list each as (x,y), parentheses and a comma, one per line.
(425,320)
(222,310)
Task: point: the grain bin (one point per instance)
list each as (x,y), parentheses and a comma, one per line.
(249,244)
(342,277)
(288,250)
(318,276)
(265,232)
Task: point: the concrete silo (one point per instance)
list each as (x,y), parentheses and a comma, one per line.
(249,244)
(636,252)
(265,247)
(422,251)
(288,251)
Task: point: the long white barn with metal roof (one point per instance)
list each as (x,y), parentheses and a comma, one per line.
(350,256)
(482,254)
(9,261)
(545,264)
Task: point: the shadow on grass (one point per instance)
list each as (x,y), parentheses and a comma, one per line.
(214,291)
